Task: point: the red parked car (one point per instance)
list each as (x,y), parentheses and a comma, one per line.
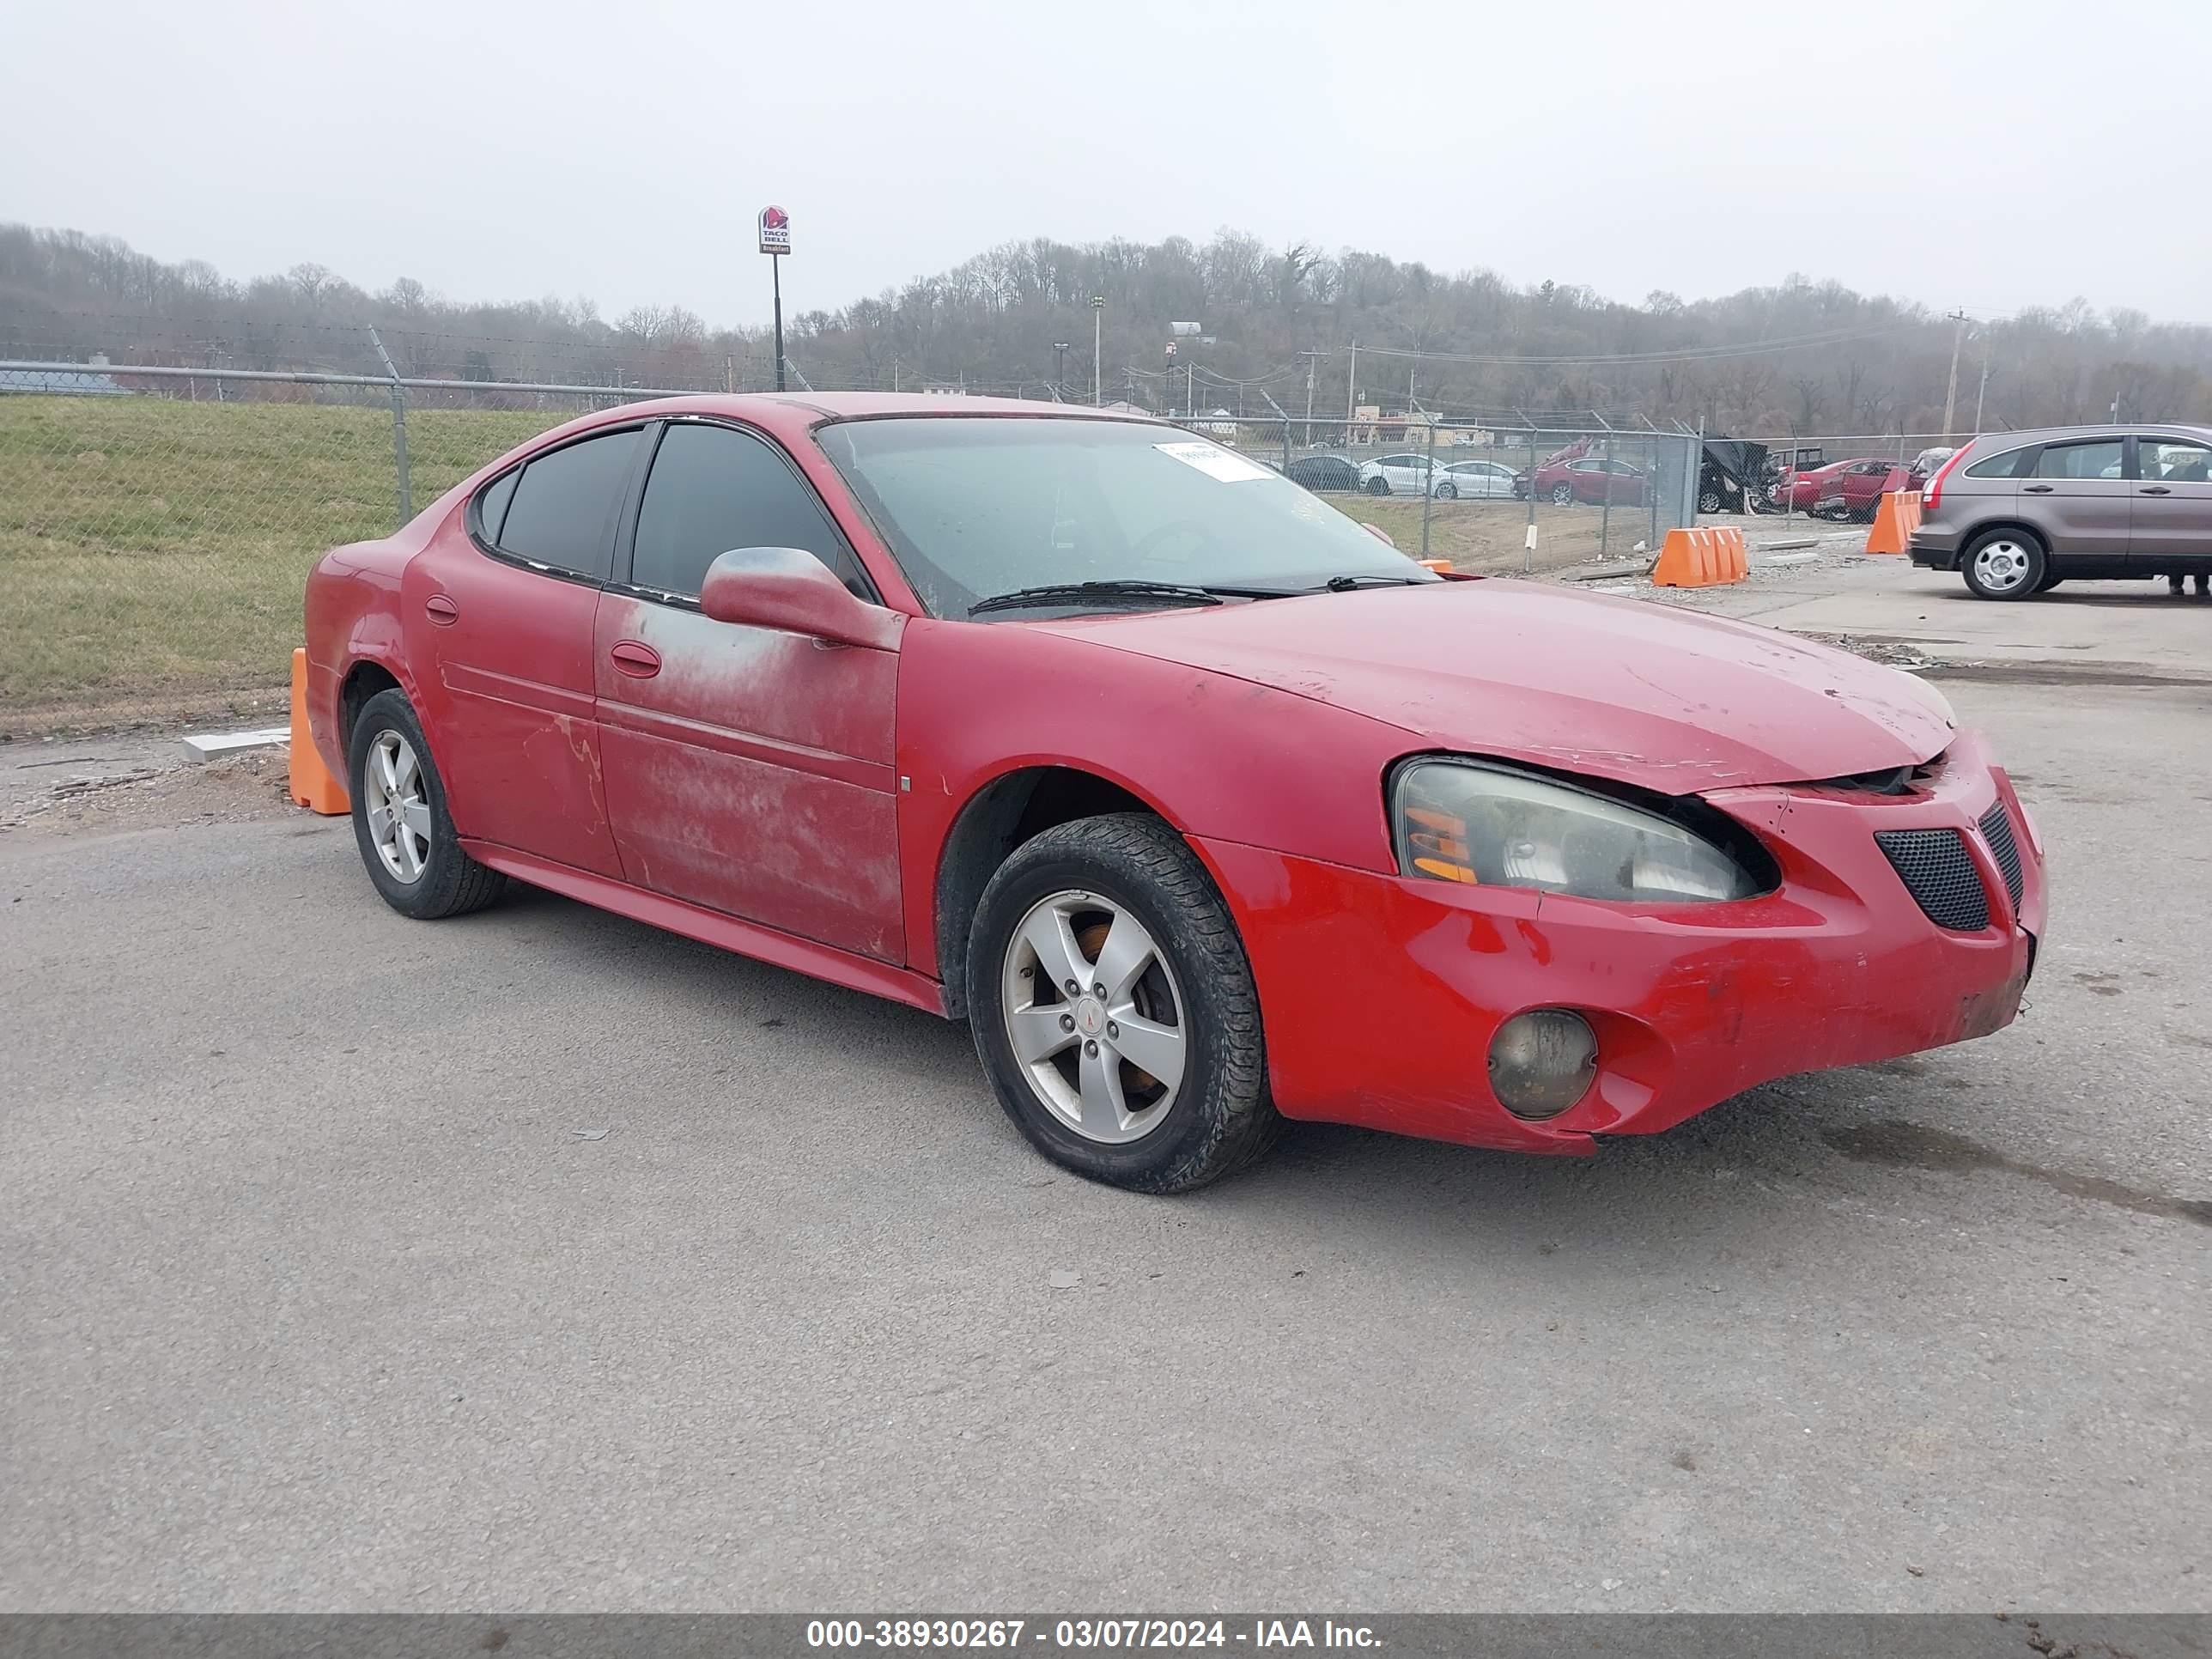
(1586,479)
(1843,489)
(1204,806)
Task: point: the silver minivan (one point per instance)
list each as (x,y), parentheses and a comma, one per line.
(2018,512)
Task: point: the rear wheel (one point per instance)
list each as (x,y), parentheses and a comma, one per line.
(406,837)
(1114,1009)
(2004,564)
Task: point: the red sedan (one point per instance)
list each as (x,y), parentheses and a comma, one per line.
(1205,807)
(1843,489)
(1588,480)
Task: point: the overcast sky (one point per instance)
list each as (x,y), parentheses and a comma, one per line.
(1988,155)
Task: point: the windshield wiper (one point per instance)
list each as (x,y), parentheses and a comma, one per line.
(1345,583)
(1076,593)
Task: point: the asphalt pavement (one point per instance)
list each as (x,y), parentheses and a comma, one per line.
(540,1261)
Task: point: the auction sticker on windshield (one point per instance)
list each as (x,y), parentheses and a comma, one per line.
(1214,461)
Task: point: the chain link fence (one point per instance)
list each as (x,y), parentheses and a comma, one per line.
(157,522)
(1483,497)
(156,525)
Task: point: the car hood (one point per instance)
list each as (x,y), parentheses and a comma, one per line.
(1645,694)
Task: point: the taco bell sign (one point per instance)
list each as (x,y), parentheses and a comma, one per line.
(774,230)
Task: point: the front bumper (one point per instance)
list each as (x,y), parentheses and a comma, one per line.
(1380,994)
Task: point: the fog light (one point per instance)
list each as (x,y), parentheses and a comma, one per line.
(1542,1062)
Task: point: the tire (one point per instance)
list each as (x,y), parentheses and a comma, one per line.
(1378,485)
(1709,501)
(421,871)
(2048,583)
(1447,492)
(1215,1115)
(1563,495)
(2003,564)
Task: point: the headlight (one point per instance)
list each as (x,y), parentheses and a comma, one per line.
(1471,822)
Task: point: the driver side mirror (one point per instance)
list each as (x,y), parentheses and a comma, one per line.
(789,588)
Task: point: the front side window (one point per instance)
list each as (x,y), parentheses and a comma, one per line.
(2165,460)
(2096,460)
(562,513)
(713,490)
(974,507)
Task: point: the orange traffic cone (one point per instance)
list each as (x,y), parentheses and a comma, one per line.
(313,785)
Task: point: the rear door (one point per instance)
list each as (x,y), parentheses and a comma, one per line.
(2079,495)
(2171,528)
(509,591)
(748,769)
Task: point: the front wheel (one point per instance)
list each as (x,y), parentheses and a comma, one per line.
(1447,492)
(1563,495)
(406,837)
(2003,564)
(1378,486)
(1709,501)
(1114,1009)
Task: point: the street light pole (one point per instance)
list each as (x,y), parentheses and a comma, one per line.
(1060,365)
(1097,332)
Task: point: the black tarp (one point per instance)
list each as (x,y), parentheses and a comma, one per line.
(1740,462)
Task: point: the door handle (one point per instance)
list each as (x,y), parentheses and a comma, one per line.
(639,662)
(441,609)
(2155,490)
(2037,489)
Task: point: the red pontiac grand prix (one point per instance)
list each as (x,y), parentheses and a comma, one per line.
(1204,806)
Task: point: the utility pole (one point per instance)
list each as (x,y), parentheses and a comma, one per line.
(1352,393)
(1097,332)
(1313,362)
(1981,395)
(1060,365)
(1951,396)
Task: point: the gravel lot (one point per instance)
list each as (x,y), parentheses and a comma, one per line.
(539,1260)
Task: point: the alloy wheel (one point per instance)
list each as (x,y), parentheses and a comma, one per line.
(2002,566)
(398,809)
(1094,1017)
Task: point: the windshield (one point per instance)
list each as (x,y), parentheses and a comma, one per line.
(974,507)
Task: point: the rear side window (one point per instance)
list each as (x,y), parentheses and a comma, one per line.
(2100,459)
(1999,466)
(562,510)
(491,506)
(713,488)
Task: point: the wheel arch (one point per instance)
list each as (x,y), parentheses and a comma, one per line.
(1001,814)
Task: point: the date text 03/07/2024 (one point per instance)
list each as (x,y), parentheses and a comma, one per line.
(832,1634)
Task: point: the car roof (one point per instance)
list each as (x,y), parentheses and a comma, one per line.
(793,414)
(2046,434)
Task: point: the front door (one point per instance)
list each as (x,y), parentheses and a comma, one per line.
(748,769)
(2171,529)
(2080,495)
(506,596)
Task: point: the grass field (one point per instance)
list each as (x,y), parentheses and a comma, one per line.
(154,552)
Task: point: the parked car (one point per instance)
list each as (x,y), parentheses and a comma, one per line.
(1731,477)
(1804,490)
(1323,472)
(1852,493)
(1588,480)
(1474,481)
(1406,474)
(2018,512)
(1013,715)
